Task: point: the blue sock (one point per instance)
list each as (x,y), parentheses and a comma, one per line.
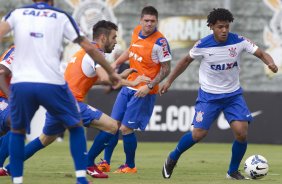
(130,145)
(238,151)
(110,148)
(4,148)
(79,153)
(99,144)
(16,150)
(30,149)
(184,144)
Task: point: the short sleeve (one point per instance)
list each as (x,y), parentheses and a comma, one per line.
(249,46)
(163,50)
(195,52)
(9,18)
(71,30)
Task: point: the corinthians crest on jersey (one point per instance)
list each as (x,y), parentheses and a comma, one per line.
(232,52)
(199,117)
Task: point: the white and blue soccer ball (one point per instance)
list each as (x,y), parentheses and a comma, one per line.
(256,167)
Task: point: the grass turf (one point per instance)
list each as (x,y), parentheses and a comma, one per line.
(204,163)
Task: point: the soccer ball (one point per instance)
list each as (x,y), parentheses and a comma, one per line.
(256,167)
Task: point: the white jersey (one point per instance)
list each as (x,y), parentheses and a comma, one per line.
(89,67)
(219,68)
(39,30)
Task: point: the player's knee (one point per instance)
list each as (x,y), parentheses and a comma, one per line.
(241,136)
(125,130)
(199,134)
(110,126)
(113,128)
(46,140)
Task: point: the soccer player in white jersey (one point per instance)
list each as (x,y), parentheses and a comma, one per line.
(80,74)
(219,56)
(39,30)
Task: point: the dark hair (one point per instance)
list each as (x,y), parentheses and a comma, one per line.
(219,14)
(149,10)
(103,27)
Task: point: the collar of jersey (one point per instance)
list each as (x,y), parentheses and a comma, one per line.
(42,3)
(209,41)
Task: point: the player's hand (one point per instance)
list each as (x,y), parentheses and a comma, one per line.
(115,78)
(142,91)
(164,88)
(117,86)
(127,72)
(114,65)
(273,67)
(141,78)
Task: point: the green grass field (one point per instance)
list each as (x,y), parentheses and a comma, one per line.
(203,164)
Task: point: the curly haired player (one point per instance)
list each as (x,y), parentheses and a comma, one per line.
(219,56)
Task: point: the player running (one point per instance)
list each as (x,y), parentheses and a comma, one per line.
(219,55)
(81,74)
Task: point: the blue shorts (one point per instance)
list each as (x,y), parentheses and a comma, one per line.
(4,115)
(56,99)
(88,113)
(208,107)
(131,111)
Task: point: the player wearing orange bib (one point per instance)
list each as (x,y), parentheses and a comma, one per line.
(149,54)
(81,74)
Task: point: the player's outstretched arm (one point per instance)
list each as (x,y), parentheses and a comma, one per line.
(138,80)
(124,74)
(180,68)
(267,59)
(103,78)
(99,58)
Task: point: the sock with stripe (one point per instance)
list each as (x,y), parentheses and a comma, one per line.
(79,153)
(16,150)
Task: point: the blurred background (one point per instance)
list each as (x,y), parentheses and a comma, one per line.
(183,22)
